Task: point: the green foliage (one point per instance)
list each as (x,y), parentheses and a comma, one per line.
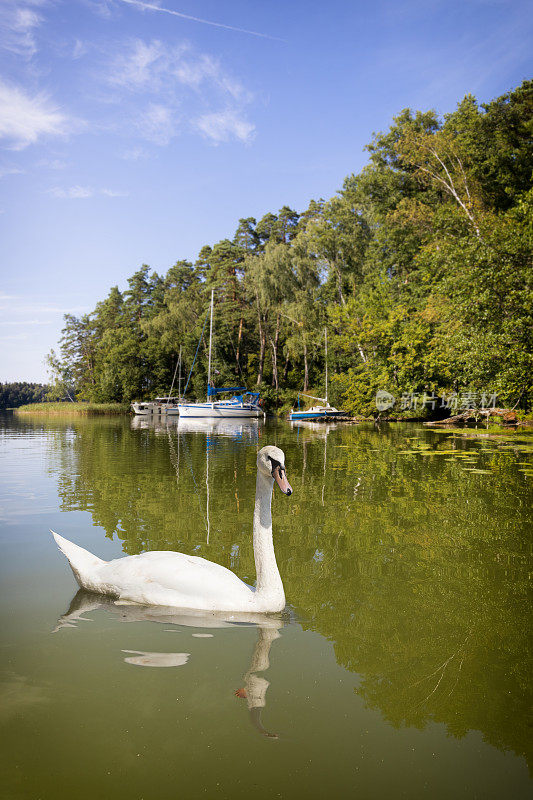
(13,395)
(420,267)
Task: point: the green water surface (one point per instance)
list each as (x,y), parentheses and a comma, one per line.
(400,668)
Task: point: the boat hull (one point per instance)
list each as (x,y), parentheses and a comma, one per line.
(302,415)
(218,411)
(318,412)
(153,409)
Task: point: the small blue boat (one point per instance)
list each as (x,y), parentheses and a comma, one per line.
(315,412)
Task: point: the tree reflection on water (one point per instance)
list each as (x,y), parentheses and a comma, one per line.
(413,567)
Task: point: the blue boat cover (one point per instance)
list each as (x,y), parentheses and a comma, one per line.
(212,391)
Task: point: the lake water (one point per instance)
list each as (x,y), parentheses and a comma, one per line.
(401,667)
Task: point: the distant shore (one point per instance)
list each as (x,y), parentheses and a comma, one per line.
(78,409)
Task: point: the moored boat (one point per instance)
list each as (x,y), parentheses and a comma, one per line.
(166,406)
(245,404)
(322,412)
(242,405)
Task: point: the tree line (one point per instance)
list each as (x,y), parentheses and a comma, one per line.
(18,393)
(420,268)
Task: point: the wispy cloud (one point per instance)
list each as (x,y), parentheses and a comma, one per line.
(157,124)
(8,169)
(72,193)
(80,49)
(141,66)
(153,7)
(179,76)
(14,337)
(25,118)
(82,192)
(154,67)
(113,193)
(101,8)
(225,125)
(17,304)
(134,154)
(51,163)
(26,322)
(18,23)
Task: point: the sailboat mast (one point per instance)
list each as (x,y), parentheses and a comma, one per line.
(210,344)
(326,341)
(179,375)
(173,379)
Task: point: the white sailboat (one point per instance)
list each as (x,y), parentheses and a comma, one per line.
(245,404)
(322,411)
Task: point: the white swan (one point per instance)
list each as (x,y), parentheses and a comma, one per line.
(165,578)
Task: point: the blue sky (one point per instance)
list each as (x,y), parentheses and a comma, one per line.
(136,132)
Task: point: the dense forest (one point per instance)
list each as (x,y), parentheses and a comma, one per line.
(13,395)
(420,267)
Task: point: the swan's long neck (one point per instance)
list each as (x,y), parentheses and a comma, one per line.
(269,588)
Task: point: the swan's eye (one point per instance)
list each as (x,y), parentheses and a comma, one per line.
(275,465)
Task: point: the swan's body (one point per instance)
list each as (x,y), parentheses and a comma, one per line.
(165,578)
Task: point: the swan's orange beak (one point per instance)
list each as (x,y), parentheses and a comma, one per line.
(279,475)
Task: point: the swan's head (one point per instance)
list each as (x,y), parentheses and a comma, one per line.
(271,463)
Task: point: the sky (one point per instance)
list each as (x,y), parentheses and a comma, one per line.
(136,132)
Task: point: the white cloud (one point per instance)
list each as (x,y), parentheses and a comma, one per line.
(101,8)
(157,124)
(82,192)
(51,163)
(141,66)
(18,22)
(17,304)
(194,71)
(113,193)
(24,118)
(154,67)
(80,49)
(18,337)
(72,193)
(225,125)
(179,74)
(27,322)
(134,154)
(7,169)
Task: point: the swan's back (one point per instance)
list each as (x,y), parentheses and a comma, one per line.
(169,578)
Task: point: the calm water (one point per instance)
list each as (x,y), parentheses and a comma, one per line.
(401,668)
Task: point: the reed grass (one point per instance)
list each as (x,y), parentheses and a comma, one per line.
(78,409)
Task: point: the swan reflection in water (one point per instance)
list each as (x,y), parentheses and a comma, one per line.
(255,685)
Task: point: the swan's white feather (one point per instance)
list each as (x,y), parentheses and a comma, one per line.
(153,578)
